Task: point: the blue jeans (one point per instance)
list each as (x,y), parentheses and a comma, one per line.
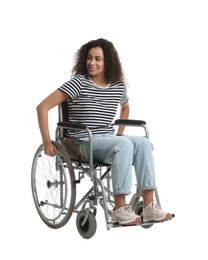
(122,152)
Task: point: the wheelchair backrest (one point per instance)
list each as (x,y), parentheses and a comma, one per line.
(63,116)
(78,150)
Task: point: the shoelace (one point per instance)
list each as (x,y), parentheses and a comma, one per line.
(128,208)
(155,206)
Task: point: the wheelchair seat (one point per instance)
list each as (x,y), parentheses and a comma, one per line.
(54,180)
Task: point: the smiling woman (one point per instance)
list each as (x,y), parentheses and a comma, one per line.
(163,48)
(96,66)
(94,93)
(107,60)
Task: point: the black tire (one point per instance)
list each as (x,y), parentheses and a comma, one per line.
(89,228)
(53,186)
(138,208)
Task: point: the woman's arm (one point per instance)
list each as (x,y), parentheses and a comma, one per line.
(124,114)
(54,99)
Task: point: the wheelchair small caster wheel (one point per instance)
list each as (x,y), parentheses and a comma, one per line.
(138,208)
(86,227)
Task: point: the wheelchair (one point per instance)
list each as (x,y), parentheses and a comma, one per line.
(54,180)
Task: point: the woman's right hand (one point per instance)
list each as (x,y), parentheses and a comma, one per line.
(50,149)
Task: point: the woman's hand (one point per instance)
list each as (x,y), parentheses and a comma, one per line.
(50,149)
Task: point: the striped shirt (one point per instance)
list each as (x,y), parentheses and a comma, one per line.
(92,105)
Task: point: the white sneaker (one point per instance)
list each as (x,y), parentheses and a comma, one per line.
(125,216)
(153,212)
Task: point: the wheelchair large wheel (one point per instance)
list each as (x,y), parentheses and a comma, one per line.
(53,186)
(86,227)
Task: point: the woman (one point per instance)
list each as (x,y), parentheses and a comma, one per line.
(95,91)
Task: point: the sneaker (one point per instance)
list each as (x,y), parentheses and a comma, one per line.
(125,216)
(153,212)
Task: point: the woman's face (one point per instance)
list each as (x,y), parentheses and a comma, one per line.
(95,62)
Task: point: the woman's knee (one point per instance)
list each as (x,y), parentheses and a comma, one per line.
(125,144)
(112,148)
(141,141)
(121,151)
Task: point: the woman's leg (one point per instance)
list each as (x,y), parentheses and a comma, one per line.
(121,153)
(118,152)
(143,163)
(145,173)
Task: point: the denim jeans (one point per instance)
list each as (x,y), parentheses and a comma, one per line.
(123,152)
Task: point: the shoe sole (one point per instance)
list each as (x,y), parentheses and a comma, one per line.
(167,217)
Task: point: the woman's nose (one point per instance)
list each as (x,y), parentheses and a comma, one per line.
(92,61)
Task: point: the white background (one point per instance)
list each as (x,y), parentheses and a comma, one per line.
(163,49)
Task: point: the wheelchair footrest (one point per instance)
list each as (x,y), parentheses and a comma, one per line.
(142,224)
(155,222)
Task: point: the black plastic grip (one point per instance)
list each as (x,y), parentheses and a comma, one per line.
(131,122)
(71,125)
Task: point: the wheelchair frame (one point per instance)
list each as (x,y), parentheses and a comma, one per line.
(54,181)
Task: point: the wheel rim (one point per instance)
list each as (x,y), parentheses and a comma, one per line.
(51,187)
(89,228)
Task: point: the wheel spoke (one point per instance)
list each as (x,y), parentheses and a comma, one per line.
(53,186)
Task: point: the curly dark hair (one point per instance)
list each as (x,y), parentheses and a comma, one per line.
(113,67)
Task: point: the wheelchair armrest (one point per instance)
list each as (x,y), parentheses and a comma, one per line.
(129,122)
(77,126)
(133,122)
